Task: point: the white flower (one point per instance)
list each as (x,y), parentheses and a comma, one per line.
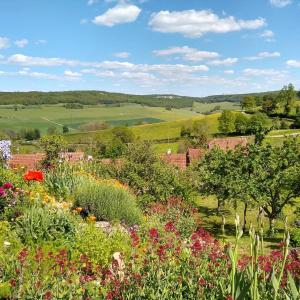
(6,244)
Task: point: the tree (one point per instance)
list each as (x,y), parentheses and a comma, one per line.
(226,122)
(259,125)
(200,134)
(241,123)
(124,134)
(65,129)
(265,176)
(269,104)
(52,146)
(275,177)
(248,103)
(287,97)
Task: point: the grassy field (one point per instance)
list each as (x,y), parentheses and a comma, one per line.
(43,117)
(159,131)
(207,107)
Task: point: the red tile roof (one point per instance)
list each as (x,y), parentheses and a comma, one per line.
(228,143)
(32,161)
(178,160)
(194,154)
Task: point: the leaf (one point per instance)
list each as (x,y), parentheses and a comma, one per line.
(292,285)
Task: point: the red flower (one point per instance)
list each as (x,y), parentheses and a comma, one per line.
(34,176)
(202,281)
(48,295)
(170,227)
(153,233)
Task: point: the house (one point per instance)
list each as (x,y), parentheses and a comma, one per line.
(228,143)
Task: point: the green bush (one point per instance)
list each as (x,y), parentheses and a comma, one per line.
(7,175)
(150,178)
(9,241)
(107,202)
(100,247)
(295,237)
(44,224)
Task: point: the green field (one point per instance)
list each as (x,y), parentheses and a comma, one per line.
(43,116)
(207,107)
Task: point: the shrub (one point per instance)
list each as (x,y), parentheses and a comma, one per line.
(100,247)
(44,224)
(106,201)
(150,178)
(295,237)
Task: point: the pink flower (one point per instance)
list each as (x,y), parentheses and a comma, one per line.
(153,232)
(8,186)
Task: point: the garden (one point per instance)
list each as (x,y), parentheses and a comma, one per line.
(135,229)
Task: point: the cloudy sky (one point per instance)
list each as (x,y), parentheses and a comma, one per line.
(187,47)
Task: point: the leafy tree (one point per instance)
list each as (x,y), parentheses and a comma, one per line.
(249,103)
(287,97)
(275,177)
(149,177)
(52,146)
(227,122)
(269,104)
(124,134)
(65,129)
(259,125)
(241,123)
(200,134)
(265,176)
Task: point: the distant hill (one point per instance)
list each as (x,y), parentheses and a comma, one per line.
(101,97)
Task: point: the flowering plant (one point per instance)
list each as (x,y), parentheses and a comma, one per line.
(9,195)
(5,153)
(34,176)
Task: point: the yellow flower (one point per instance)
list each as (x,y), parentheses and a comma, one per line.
(79,209)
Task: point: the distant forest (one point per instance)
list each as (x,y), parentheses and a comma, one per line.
(99,97)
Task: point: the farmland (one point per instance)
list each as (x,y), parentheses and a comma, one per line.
(43,117)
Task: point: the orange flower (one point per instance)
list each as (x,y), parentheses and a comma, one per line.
(34,176)
(91,218)
(79,209)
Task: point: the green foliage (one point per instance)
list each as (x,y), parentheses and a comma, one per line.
(65,129)
(52,146)
(259,125)
(241,123)
(9,241)
(7,175)
(106,202)
(286,98)
(39,223)
(295,237)
(196,133)
(150,178)
(100,247)
(227,122)
(30,134)
(248,103)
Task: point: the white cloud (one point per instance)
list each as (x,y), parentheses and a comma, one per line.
(190,54)
(21,43)
(267,34)
(263,55)
(293,63)
(72,74)
(263,72)
(122,54)
(229,72)
(280,3)
(121,13)
(193,23)
(224,62)
(4,42)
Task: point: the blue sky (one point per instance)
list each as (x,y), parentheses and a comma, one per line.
(187,47)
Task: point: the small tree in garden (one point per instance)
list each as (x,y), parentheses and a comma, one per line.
(52,145)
